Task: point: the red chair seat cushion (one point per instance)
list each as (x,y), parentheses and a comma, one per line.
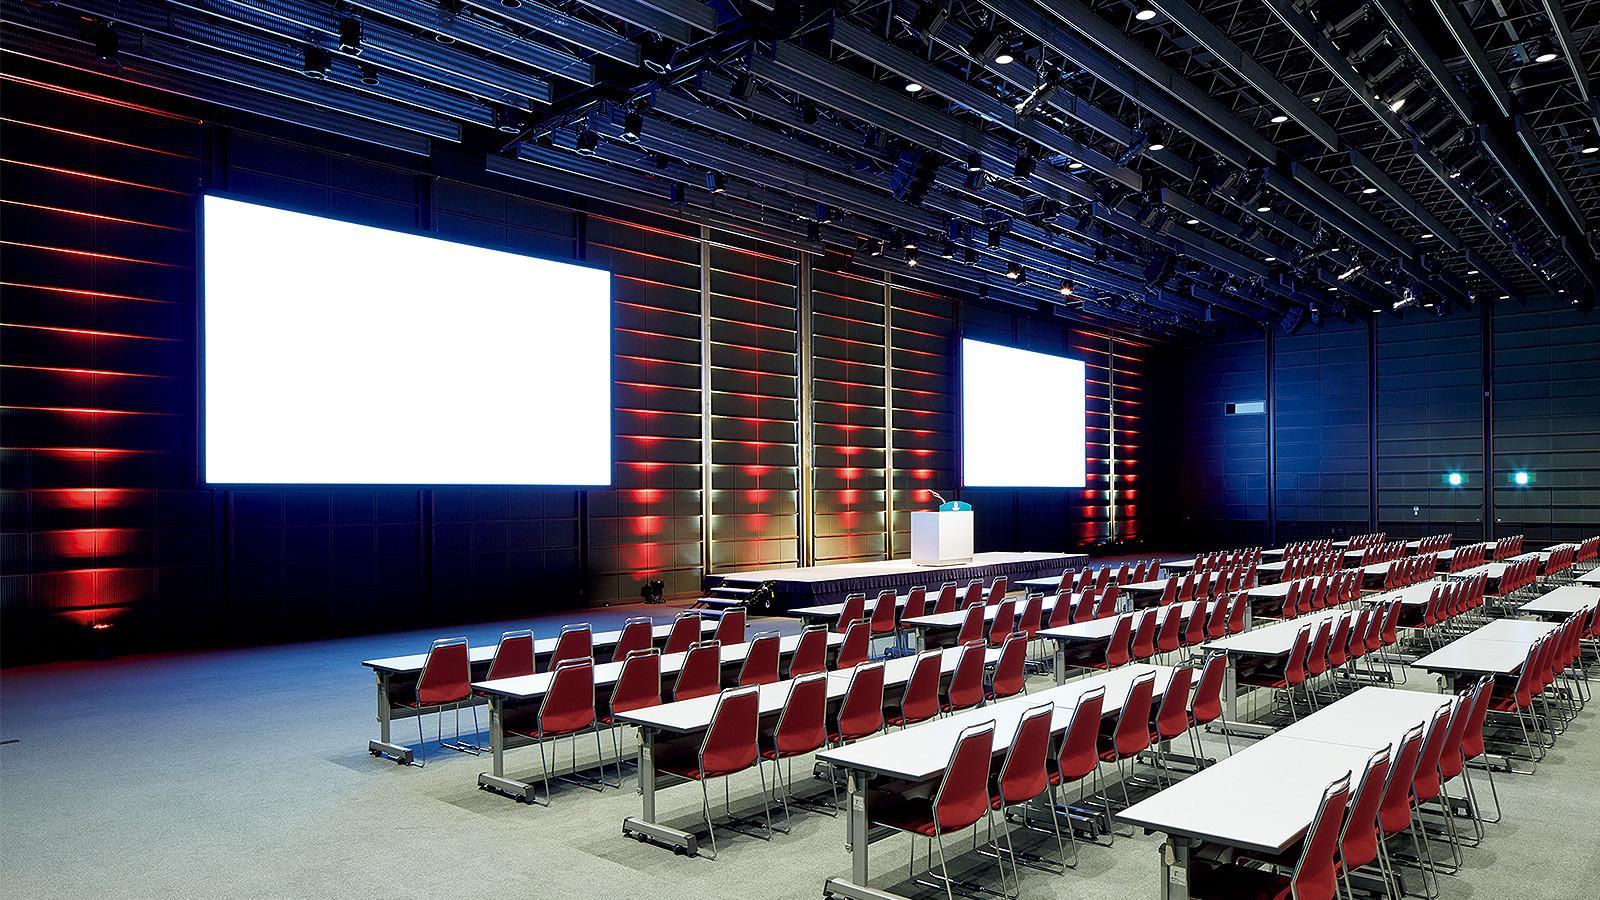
(683,763)
(913,814)
(1234,882)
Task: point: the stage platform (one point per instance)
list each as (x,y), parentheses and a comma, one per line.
(813,585)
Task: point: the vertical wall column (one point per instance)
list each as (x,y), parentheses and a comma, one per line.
(706,512)
(808,419)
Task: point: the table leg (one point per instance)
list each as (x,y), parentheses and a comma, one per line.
(857,830)
(1061,662)
(497,780)
(1230,705)
(383,746)
(1174,884)
(644,827)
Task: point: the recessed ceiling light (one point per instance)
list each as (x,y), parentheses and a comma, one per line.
(1272,259)
(1505,296)
(1145,15)
(1397,104)
(1426,235)
(1074,165)
(1369,190)
(1316,99)
(1279,119)
(1472,271)
(913,87)
(1158,146)
(1192,222)
(1547,56)
(1264,208)
(1591,149)
(1005,58)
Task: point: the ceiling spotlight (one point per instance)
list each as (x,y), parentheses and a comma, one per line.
(931,18)
(1426,235)
(1157,145)
(994,239)
(813,232)
(105,44)
(1005,58)
(1264,207)
(350,35)
(1472,271)
(1066,288)
(974,162)
(947,250)
(632,126)
(986,44)
(1016,273)
(1145,15)
(875,248)
(1192,221)
(716,182)
(315,62)
(743,87)
(1074,164)
(1024,166)
(1039,96)
(1592,148)
(1396,104)
(369,74)
(913,87)
(1271,259)
(1279,119)
(1350,273)
(588,142)
(1546,56)
(1369,190)
(1505,296)
(911,257)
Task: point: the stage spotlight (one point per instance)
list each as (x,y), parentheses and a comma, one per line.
(587,142)
(986,44)
(1066,288)
(1279,119)
(743,87)
(652,591)
(369,74)
(315,62)
(994,239)
(632,126)
(974,162)
(1455,479)
(1145,15)
(931,18)
(1016,273)
(911,257)
(1024,166)
(913,87)
(350,35)
(106,45)
(716,182)
(1004,58)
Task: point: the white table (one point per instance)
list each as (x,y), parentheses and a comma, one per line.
(397,679)
(1270,641)
(952,620)
(830,612)
(1590,577)
(1499,648)
(1263,798)
(529,690)
(920,754)
(1082,639)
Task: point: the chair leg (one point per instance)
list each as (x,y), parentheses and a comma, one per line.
(944,869)
(705,806)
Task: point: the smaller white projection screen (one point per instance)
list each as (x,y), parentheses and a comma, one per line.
(337,353)
(1021,418)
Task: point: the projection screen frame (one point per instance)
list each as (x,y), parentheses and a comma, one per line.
(200,344)
(961,339)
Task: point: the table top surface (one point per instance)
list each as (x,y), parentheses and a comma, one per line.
(1415,595)
(1565,600)
(531,687)
(921,753)
(413,662)
(832,610)
(954,618)
(1272,640)
(1264,796)
(686,716)
(1590,577)
(1523,631)
(1476,656)
(1100,629)
(1153,586)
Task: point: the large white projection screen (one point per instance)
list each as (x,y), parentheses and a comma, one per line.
(337,353)
(1021,418)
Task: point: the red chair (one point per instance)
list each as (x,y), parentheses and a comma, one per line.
(1003,623)
(760,660)
(1169,591)
(700,674)
(730,628)
(638,633)
(1238,613)
(1010,677)
(575,642)
(802,728)
(1169,633)
(513,656)
(1032,618)
(961,799)
(1102,578)
(1171,717)
(1473,746)
(1294,671)
(853,649)
(966,682)
(567,709)
(854,610)
(1064,612)
(1217,621)
(1023,776)
(1118,645)
(446,680)
(1427,784)
(1338,649)
(861,711)
(811,652)
(1291,601)
(971,625)
(997,590)
(1144,637)
(1317,660)
(1206,706)
(638,686)
(1360,838)
(1194,630)
(973,595)
(1314,877)
(919,701)
(1079,755)
(731,746)
(1107,605)
(686,629)
(946,601)
(916,603)
(1131,736)
(883,622)
(1453,761)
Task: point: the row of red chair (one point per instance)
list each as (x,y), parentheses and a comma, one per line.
(1410,570)
(1382,553)
(1363,541)
(1307,548)
(1518,574)
(1327,646)
(1507,547)
(1226,559)
(1449,600)
(1469,557)
(1435,543)
(1550,659)
(1307,595)
(1146,634)
(1217,583)
(1560,560)
(1320,563)
(1588,549)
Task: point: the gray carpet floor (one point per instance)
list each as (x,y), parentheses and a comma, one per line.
(244,773)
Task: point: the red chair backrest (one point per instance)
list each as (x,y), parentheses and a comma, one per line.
(1172,716)
(1394,812)
(1170,629)
(963,795)
(883,614)
(637,634)
(568,704)
(1062,613)
(919,702)
(966,682)
(916,603)
(1217,621)
(1169,591)
(1102,578)
(1207,704)
(700,674)
(446,673)
(1023,775)
(1294,668)
(946,601)
(854,609)
(1358,842)
(1317,658)
(810,653)
(861,711)
(731,742)
(1236,612)
(974,594)
(638,685)
(1194,631)
(1079,754)
(1108,599)
(1009,674)
(760,660)
(1472,744)
(1451,760)
(802,726)
(1032,615)
(1339,642)
(513,657)
(1119,645)
(1425,783)
(971,625)
(1005,621)
(1132,735)
(730,629)
(685,631)
(1144,636)
(1317,875)
(1291,600)
(853,649)
(997,590)
(575,642)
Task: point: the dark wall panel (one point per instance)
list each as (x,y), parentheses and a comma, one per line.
(1223,454)
(1320,422)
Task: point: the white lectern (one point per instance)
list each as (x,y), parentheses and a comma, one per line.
(942,538)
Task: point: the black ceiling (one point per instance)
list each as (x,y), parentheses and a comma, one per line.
(1165,166)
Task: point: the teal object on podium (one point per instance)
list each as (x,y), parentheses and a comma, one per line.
(955,506)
